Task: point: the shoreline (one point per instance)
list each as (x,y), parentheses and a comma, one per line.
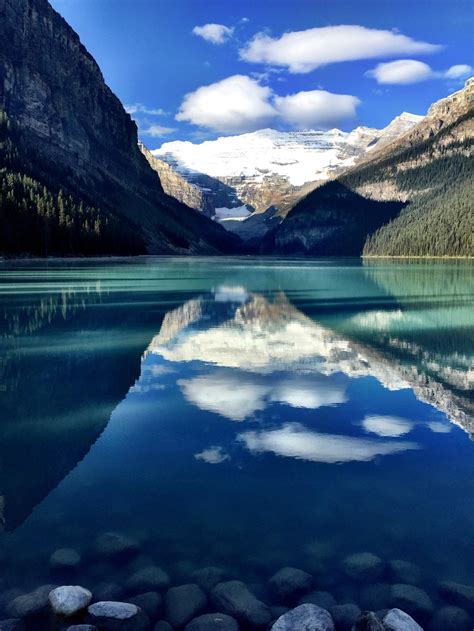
(362,257)
(115,583)
(424,257)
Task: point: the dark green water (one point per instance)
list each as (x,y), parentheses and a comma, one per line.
(243,413)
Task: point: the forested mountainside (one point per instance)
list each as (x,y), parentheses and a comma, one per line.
(73,179)
(413,197)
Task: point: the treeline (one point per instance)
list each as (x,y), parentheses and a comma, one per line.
(333,220)
(436,224)
(40,218)
(439,218)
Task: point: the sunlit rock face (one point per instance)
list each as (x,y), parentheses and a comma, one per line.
(265,169)
(250,342)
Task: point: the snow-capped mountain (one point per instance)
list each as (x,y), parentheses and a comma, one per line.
(274,168)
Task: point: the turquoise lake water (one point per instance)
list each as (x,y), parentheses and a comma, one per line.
(243,413)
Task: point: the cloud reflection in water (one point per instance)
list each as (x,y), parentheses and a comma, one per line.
(238,395)
(293,440)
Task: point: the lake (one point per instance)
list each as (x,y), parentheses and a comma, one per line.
(243,413)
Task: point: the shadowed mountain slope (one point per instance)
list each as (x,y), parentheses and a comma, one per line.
(65,133)
(427,172)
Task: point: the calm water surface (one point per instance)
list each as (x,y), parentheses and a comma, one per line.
(243,413)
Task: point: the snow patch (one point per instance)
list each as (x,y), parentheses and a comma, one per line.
(238,213)
(299,156)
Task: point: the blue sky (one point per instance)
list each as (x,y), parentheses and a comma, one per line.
(273,63)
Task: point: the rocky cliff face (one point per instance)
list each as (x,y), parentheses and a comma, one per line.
(77,134)
(449,123)
(175,185)
(197,190)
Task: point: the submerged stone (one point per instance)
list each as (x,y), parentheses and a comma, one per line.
(411,599)
(289,583)
(404,572)
(68,600)
(31,605)
(363,566)
(12,624)
(107,591)
(344,616)
(457,594)
(452,619)
(139,562)
(213,622)
(367,621)
(117,616)
(320,598)
(306,617)
(381,613)
(208,577)
(183,603)
(82,627)
(150,602)
(65,559)
(376,596)
(151,578)
(397,620)
(114,546)
(278,610)
(235,599)
(163,625)
(8,596)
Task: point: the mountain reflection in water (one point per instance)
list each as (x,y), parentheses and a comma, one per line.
(254,339)
(202,406)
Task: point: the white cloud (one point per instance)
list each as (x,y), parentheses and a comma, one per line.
(157,131)
(214,33)
(234,105)
(407,71)
(387,426)
(316,108)
(294,441)
(402,71)
(213,455)
(138,108)
(241,104)
(459,71)
(303,51)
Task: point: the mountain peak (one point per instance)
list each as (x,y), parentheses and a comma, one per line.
(273,168)
(454,103)
(408,116)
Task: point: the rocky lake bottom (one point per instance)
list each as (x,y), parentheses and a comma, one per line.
(224,444)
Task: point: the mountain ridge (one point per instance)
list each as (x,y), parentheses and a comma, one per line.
(66,136)
(427,171)
(271,168)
